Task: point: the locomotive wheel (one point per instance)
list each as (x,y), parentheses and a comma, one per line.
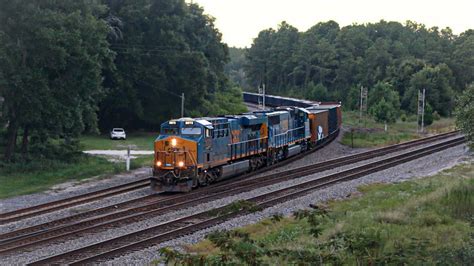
(195,182)
(202,179)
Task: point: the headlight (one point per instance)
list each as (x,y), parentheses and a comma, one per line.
(173,142)
(158,163)
(181,164)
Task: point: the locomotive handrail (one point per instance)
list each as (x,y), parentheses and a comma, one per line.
(246,148)
(288,131)
(235,143)
(282,138)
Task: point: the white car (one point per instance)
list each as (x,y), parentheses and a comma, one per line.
(118,133)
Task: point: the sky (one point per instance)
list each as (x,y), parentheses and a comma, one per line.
(240,21)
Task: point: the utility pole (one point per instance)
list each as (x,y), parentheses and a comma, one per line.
(423,113)
(418,113)
(360,111)
(261,91)
(363,102)
(182,104)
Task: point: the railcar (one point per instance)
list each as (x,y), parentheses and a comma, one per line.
(192,152)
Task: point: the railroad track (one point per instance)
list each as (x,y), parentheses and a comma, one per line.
(24,213)
(204,219)
(54,231)
(21,214)
(152,205)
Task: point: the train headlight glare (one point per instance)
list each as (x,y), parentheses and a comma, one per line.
(158,163)
(173,142)
(181,164)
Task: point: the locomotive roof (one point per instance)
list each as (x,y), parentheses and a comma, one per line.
(317,111)
(277,113)
(323,106)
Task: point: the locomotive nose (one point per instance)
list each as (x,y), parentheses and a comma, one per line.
(175,153)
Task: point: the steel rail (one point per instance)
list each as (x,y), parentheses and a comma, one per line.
(71,201)
(155,208)
(185,225)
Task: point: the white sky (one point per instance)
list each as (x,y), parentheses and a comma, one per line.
(241,20)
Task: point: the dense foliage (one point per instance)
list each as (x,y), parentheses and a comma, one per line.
(165,48)
(51,57)
(465,113)
(69,67)
(331,63)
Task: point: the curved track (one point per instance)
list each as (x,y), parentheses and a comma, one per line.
(71,227)
(20,214)
(189,224)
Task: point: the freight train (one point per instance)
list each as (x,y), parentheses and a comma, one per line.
(192,152)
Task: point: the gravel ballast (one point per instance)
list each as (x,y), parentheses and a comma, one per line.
(419,167)
(70,189)
(422,167)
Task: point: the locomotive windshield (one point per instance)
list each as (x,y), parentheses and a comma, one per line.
(191,131)
(169,131)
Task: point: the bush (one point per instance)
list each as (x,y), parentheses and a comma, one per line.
(403,117)
(428,117)
(436,116)
(383,111)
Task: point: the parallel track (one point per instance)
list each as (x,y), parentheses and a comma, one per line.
(189,224)
(24,213)
(156,204)
(63,230)
(21,214)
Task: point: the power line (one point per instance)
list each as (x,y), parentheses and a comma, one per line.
(153,86)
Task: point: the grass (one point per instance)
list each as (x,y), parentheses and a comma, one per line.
(138,141)
(369,133)
(16,180)
(424,221)
(37,176)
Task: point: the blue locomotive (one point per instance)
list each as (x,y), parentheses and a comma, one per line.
(192,152)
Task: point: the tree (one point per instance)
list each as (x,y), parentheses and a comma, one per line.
(384,112)
(465,113)
(438,82)
(168,48)
(51,57)
(409,56)
(384,103)
(384,91)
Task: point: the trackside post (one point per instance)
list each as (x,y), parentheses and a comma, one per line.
(128,158)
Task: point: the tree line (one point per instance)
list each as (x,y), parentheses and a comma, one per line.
(69,67)
(328,63)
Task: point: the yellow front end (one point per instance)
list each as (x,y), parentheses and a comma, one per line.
(175,165)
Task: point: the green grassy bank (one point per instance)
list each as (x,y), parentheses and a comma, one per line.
(368,133)
(39,175)
(425,221)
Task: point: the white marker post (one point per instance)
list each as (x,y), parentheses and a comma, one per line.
(128,158)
